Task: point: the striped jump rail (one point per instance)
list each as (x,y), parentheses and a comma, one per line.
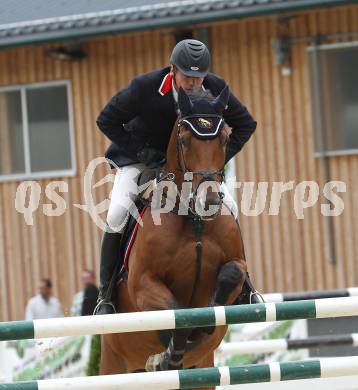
(201,377)
(176,319)
(315,294)
(279,345)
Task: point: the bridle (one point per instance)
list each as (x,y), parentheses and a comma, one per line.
(218,176)
(196,219)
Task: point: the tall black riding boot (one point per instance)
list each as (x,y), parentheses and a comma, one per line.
(110,259)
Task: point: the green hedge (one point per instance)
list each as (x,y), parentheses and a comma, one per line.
(95,356)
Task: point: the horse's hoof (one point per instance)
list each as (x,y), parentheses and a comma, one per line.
(153,362)
(162,362)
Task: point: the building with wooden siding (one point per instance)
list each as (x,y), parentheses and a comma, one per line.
(269,52)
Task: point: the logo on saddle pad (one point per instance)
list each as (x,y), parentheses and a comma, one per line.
(205,123)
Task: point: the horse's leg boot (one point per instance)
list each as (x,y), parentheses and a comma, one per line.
(109,258)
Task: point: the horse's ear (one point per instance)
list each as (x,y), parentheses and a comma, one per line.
(184,102)
(220,102)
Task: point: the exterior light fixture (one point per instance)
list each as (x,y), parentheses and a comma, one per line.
(67,53)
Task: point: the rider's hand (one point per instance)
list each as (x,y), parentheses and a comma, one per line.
(151,157)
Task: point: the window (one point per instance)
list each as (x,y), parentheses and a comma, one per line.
(334,80)
(36,131)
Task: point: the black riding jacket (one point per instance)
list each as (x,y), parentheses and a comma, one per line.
(143,115)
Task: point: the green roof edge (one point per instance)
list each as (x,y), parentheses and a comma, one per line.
(211,16)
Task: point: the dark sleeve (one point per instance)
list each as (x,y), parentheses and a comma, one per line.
(123,107)
(90,296)
(242,123)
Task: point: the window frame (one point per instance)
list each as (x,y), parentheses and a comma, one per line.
(316,96)
(28,175)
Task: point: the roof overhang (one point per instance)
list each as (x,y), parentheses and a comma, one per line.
(170,14)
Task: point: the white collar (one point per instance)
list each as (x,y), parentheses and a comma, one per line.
(175,92)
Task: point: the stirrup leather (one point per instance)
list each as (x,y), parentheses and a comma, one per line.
(103,302)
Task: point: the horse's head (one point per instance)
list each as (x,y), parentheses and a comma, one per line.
(201,139)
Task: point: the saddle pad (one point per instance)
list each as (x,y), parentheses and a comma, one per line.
(131,240)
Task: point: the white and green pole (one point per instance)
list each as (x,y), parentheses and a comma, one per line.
(280,345)
(176,319)
(202,377)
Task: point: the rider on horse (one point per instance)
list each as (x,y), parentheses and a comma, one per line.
(139,120)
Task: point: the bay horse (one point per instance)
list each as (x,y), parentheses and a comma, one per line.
(188,260)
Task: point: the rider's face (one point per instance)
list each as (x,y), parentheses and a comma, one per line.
(186,82)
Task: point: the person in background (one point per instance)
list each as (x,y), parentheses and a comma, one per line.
(77,301)
(90,293)
(84,302)
(43,305)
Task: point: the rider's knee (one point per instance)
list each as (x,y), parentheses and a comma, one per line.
(116,218)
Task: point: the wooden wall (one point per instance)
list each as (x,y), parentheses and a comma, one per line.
(61,247)
(283,253)
(286,253)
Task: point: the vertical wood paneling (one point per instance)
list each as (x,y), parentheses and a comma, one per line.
(4,299)
(283,253)
(299,62)
(61,247)
(282,149)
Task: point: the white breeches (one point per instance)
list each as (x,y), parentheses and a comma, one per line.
(125,190)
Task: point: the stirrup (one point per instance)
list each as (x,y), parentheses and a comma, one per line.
(103,302)
(256,294)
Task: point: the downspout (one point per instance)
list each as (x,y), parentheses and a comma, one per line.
(325,171)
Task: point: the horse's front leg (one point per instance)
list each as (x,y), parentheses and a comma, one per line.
(150,293)
(229,284)
(172,358)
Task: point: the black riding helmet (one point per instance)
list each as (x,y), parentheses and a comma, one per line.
(191,57)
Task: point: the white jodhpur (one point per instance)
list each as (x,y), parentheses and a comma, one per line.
(124,192)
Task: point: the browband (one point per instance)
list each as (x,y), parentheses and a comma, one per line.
(203,126)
